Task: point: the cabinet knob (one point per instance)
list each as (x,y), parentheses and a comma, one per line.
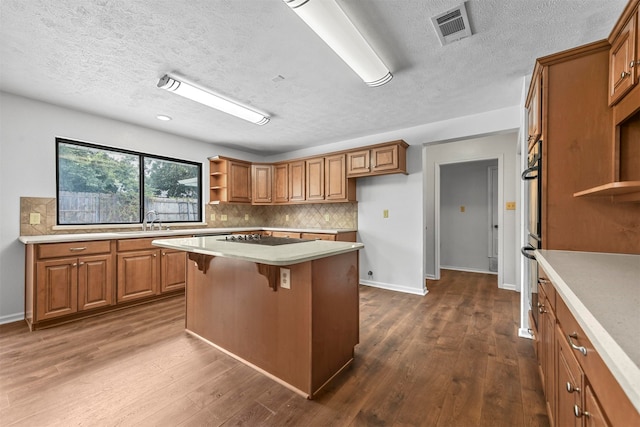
(571,388)
(75,264)
(579,412)
(624,74)
(81,263)
(155,255)
(633,64)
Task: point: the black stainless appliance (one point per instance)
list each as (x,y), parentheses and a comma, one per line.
(532,175)
(258,239)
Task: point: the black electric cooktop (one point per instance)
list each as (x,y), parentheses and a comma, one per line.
(257,239)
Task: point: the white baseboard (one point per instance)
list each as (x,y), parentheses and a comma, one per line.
(468,270)
(430,276)
(524,333)
(10,318)
(392,287)
(508,287)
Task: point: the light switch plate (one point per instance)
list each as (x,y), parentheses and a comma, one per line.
(327,217)
(246,217)
(285,278)
(462,208)
(213,217)
(385,213)
(511,206)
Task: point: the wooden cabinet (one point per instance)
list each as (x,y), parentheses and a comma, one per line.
(67,278)
(67,281)
(173,270)
(579,387)
(288,234)
(623,57)
(281,183)
(229,180)
(145,270)
(577,127)
(547,358)
(378,159)
(315,179)
(262,184)
(534,110)
(337,186)
(137,275)
(349,236)
(297,177)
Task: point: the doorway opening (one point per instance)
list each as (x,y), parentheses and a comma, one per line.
(468,218)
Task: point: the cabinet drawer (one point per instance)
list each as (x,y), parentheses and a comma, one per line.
(318,236)
(285,234)
(549,290)
(136,244)
(55,250)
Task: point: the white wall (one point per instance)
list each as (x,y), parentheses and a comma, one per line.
(393,248)
(464,236)
(27,169)
(503,147)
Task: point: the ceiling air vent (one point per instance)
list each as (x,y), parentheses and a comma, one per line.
(452,25)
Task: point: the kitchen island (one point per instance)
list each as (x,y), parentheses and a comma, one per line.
(290,311)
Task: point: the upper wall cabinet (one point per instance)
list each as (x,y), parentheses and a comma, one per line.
(624,60)
(281,183)
(534,109)
(229,180)
(381,159)
(262,184)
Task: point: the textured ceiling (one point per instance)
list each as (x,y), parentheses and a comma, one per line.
(106,56)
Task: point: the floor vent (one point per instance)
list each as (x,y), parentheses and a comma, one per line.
(452,25)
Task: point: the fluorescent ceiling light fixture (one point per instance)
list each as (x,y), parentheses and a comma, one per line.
(329,21)
(209,99)
(163,117)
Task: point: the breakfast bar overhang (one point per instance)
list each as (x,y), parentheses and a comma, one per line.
(290,311)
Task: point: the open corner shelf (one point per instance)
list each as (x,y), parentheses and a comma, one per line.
(621,191)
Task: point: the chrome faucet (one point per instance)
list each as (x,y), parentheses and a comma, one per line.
(155,217)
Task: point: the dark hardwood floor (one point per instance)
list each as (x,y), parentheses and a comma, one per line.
(451,358)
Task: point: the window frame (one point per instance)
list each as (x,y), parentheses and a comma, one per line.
(141,168)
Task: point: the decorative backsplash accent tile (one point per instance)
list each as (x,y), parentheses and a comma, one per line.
(320,216)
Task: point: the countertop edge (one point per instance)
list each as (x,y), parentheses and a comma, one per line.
(621,366)
(114,235)
(278,262)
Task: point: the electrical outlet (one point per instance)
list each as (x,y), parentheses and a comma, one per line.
(285,278)
(286,217)
(223,217)
(511,206)
(327,217)
(213,217)
(246,217)
(34,218)
(385,213)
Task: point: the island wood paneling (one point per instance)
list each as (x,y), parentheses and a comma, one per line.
(302,335)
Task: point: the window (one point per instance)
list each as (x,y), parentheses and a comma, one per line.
(100,185)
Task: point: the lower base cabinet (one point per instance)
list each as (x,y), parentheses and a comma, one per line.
(68,281)
(579,388)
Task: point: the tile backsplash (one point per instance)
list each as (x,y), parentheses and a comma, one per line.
(318,216)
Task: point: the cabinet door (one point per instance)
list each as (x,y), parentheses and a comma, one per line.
(384,158)
(281,183)
(547,322)
(315,178)
(534,109)
(593,414)
(622,57)
(173,268)
(358,163)
(95,282)
(56,288)
(261,184)
(335,178)
(239,182)
(137,275)
(297,181)
(570,383)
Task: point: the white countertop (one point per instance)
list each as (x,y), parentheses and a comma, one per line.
(602,291)
(292,253)
(79,237)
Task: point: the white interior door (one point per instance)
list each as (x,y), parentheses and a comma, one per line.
(493,218)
